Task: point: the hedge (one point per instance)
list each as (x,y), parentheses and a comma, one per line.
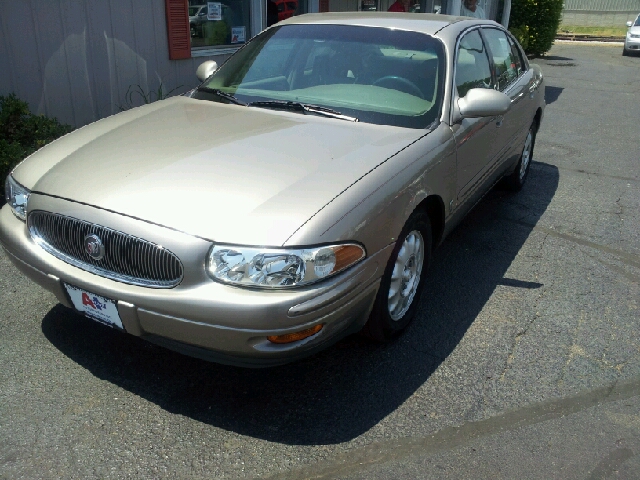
(22,133)
(535,24)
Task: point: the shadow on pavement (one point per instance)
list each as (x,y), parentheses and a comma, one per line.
(555,58)
(551,94)
(344,391)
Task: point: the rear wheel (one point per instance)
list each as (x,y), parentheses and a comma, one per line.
(516,180)
(403,281)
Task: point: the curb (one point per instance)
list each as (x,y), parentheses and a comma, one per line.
(588,38)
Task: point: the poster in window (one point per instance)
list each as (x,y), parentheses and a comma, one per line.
(215,11)
(238,35)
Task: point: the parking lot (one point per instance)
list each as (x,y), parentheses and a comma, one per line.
(525,358)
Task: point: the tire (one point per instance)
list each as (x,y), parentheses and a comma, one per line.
(406,271)
(516,180)
(625,52)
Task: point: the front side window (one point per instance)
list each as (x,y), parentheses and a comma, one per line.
(472,64)
(504,60)
(376,75)
(219,23)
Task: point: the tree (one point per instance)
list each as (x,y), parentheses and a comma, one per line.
(535,23)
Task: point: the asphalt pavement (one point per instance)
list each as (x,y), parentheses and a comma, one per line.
(524,361)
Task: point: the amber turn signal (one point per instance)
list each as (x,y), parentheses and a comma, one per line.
(294,337)
(346,255)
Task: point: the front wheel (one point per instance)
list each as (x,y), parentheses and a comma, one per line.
(516,180)
(403,281)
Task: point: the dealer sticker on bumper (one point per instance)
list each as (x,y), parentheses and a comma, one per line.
(95,306)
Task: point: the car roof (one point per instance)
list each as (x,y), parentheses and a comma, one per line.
(428,23)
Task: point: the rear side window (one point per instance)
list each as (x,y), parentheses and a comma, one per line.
(517,54)
(472,64)
(504,60)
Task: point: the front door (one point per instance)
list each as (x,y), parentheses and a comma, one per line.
(476,138)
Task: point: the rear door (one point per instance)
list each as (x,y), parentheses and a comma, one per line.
(513,79)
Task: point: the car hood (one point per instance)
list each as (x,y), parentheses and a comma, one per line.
(635,30)
(222,172)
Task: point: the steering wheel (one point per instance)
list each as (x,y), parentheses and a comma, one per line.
(401,84)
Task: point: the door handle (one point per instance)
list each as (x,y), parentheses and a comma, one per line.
(533,88)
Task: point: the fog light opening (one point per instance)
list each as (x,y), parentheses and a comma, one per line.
(294,337)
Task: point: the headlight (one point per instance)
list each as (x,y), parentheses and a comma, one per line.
(17,197)
(280,267)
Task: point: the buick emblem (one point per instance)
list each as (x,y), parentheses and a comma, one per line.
(94,247)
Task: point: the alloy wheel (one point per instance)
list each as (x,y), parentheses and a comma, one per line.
(406,275)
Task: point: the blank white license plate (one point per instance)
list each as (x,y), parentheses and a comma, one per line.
(95,306)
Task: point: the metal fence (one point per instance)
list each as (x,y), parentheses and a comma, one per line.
(599,13)
(602,5)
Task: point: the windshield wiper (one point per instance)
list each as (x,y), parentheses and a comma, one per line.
(224,95)
(304,108)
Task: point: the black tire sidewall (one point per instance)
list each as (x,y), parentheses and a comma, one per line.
(532,129)
(514,181)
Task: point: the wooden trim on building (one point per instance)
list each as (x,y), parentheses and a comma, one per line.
(178,31)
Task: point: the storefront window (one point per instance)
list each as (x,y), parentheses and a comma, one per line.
(278,10)
(498,10)
(219,23)
(484,9)
(369,5)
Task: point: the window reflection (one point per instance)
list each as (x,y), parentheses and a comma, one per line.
(219,23)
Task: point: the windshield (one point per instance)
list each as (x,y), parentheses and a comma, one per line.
(637,24)
(376,75)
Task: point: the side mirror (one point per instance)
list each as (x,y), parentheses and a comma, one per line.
(483,102)
(206,69)
(629,23)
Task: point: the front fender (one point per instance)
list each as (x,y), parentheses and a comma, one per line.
(374,209)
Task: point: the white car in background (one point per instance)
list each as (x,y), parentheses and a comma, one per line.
(197,17)
(632,39)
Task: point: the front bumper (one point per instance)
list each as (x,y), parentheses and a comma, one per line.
(201,317)
(632,44)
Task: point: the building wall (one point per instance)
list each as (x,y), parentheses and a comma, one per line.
(600,13)
(76,60)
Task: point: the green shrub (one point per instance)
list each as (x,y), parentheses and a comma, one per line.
(535,23)
(522,35)
(22,133)
(216,33)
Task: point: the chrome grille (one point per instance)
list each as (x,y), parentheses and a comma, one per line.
(127,259)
